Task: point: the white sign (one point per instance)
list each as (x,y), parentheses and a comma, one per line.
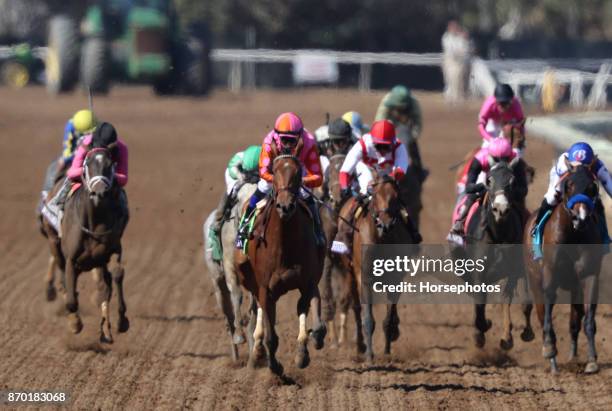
(314,68)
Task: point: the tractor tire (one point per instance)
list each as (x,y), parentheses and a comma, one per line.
(195,66)
(95,65)
(62,59)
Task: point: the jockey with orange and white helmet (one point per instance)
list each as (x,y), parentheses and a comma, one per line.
(291,138)
(502,107)
(379,149)
(499,149)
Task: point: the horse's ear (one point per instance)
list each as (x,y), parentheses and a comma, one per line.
(514,162)
(568,164)
(491,160)
(298,147)
(273,150)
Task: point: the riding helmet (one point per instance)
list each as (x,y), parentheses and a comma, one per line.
(503,93)
(84,121)
(339,130)
(581,153)
(383,132)
(104,136)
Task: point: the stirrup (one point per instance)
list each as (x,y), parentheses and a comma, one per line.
(339,247)
(455,238)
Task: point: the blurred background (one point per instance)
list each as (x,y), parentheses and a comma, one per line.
(551,51)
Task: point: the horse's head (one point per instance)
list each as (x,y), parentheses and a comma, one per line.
(333,179)
(287,172)
(98,173)
(515,132)
(501,186)
(579,190)
(386,205)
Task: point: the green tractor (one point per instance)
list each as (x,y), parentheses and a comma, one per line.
(128,40)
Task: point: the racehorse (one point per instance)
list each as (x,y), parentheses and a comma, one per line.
(282,255)
(571,222)
(94,219)
(225,279)
(498,219)
(335,285)
(382,221)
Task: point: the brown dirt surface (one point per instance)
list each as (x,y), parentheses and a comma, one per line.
(176,356)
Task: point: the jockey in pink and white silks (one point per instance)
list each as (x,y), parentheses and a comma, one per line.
(578,154)
(500,108)
(497,150)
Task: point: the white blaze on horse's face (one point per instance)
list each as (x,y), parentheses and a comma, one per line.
(501,205)
(580,215)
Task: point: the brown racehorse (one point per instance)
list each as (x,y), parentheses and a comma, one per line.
(382,221)
(92,227)
(570,223)
(335,286)
(283,256)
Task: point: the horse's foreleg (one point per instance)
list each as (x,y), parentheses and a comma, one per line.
(319,330)
(391,327)
(118,273)
(235,292)
(106,290)
(576,314)
(50,279)
(368,326)
(590,329)
(302,358)
(506,342)
(256,353)
(271,338)
(72,304)
(361,348)
(527,334)
(482,325)
(549,350)
(252,322)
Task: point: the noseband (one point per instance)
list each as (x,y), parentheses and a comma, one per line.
(91,181)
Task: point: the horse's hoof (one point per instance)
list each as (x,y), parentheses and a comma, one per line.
(51,293)
(479,339)
(361,348)
(238,338)
(318,337)
(488,325)
(234,353)
(591,368)
(276,368)
(549,351)
(123,325)
(527,335)
(506,344)
(106,340)
(370,358)
(554,370)
(394,333)
(74,323)
(302,358)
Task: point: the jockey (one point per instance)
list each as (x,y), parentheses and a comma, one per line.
(105,136)
(578,154)
(379,149)
(82,123)
(354,119)
(242,168)
(288,137)
(402,109)
(501,107)
(498,150)
(339,136)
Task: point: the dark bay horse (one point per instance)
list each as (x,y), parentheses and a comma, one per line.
(335,285)
(575,268)
(499,219)
(382,221)
(92,227)
(283,255)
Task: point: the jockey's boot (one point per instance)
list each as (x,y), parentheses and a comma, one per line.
(342,241)
(222,211)
(318,227)
(458,225)
(544,208)
(243,227)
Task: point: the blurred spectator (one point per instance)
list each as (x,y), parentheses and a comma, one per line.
(456,56)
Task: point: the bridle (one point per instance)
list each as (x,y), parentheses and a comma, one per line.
(376,213)
(91,181)
(291,187)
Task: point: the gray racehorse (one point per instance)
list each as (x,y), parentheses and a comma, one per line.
(224,277)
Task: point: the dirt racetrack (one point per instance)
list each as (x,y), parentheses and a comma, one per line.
(175,355)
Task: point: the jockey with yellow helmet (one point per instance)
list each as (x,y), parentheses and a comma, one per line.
(83,122)
(289,137)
